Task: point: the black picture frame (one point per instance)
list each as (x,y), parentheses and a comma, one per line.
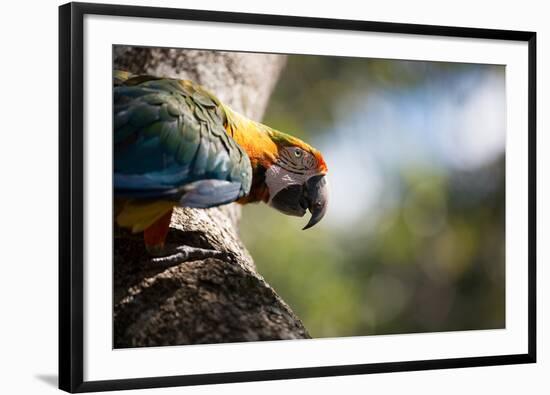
(71,172)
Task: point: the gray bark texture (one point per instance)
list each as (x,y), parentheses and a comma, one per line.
(216,300)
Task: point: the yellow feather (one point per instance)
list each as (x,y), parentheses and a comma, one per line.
(138,216)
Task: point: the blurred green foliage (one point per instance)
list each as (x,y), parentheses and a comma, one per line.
(432,261)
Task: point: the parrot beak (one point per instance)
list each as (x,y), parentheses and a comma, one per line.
(316,195)
(296,199)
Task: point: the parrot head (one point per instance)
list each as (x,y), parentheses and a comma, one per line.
(296,180)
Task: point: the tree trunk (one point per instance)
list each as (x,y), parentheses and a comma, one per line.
(205,301)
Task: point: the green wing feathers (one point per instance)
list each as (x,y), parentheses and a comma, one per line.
(169,135)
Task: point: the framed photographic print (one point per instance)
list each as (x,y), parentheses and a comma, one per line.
(259,197)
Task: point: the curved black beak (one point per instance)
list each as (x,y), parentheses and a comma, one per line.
(316,194)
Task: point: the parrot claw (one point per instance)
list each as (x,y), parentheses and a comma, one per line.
(185,253)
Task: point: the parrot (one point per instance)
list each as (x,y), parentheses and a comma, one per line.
(176,144)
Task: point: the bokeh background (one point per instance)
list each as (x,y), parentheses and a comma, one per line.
(413,240)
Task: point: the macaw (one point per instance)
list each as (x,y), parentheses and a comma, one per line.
(175,143)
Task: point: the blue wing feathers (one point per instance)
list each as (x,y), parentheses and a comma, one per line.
(170,142)
(210,193)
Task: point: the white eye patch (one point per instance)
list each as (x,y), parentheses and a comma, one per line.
(287,177)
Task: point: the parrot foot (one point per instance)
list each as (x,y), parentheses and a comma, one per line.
(185,253)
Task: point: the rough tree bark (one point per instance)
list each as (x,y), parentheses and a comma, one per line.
(215,300)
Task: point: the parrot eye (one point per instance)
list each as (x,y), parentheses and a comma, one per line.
(297,153)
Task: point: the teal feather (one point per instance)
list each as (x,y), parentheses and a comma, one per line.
(169,135)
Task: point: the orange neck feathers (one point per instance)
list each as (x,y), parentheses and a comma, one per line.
(254,138)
